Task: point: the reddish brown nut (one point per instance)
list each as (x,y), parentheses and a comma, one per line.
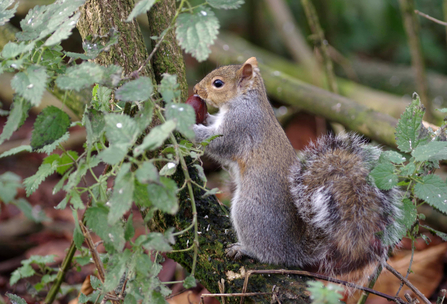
(199,106)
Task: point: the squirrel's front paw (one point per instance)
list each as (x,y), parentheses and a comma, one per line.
(235,251)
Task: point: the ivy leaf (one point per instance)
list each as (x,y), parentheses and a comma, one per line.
(51,124)
(19,112)
(87,74)
(140,8)
(225,4)
(5,14)
(168,87)
(164,196)
(30,84)
(433,190)
(32,183)
(136,90)
(184,116)
(122,197)
(197,31)
(112,235)
(433,151)
(146,173)
(410,132)
(155,138)
(384,177)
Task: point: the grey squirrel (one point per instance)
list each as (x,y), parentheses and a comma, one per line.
(319,211)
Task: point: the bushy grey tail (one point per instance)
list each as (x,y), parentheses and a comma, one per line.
(350,220)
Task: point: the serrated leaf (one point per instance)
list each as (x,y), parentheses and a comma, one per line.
(9,183)
(210,192)
(121,129)
(76,200)
(122,197)
(158,242)
(112,235)
(164,196)
(87,74)
(114,154)
(433,190)
(146,173)
(116,268)
(19,112)
(442,235)
(33,213)
(184,116)
(408,169)
(201,173)
(12,297)
(190,282)
(50,125)
(136,90)
(63,31)
(168,169)
(67,161)
(22,272)
(225,4)
(129,231)
(140,8)
(384,176)
(51,147)
(144,117)
(409,214)
(95,282)
(410,132)
(444,110)
(5,14)
(32,183)
(433,151)
(197,31)
(392,156)
(168,88)
(12,49)
(94,125)
(82,298)
(101,98)
(155,138)
(31,84)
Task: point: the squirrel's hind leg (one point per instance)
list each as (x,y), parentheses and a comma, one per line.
(236,251)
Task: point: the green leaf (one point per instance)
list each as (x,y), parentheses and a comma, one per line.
(82,298)
(129,231)
(12,49)
(122,197)
(225,4)
(16,150)
(168,169)
(87,74)
(210,192)
(164,196)
(442,235)
(201,173)
(168,88)
(121,129)
(433,151)
(51,147)
(25,271)
(158,242)
(112,235)
(433,190)
(189,282)
(184,116)
(63,31)
(140,8)
(146,173)
(50,125)
(444,110)
(409,214)
(155,138)
(66,161)
(101,98)
(94,125)
(117,266)
(78,236)
(19,112)
(5,14)
(136,90)
(410,132)
(144,117)
(12,297)
(9,183)
(197,31)
(408,169)
(76,200)
(83,260)
(33,213)
(384,177)
(140,195)
(32,183)
(31,84)
(95,282)
(392,156)
(329,294)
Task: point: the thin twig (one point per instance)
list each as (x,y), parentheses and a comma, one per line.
(409,267)
(95,256)
(371,284)
(247,294)
(411,286)
(431,18)
(317,276)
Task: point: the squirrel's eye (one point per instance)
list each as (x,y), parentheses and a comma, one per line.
(218,83)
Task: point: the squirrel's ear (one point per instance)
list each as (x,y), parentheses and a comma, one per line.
(248,67)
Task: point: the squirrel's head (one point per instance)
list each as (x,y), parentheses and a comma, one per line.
(225,83)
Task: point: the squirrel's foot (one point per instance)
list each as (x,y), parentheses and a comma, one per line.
(236,251)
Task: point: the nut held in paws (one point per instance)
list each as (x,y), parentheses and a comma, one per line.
(199,106)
